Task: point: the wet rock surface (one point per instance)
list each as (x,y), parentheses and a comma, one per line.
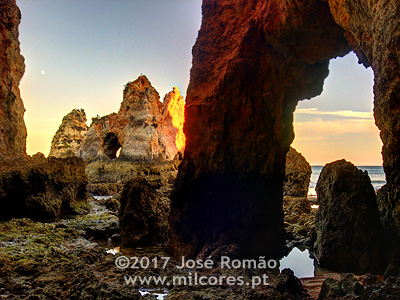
(61,260)
(69,135)
(349,235)
(297,175)
(365,287)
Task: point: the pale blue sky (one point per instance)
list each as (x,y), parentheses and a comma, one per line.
(80,53)
(89,49)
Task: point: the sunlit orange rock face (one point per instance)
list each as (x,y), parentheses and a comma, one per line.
(174,112)
(144,128)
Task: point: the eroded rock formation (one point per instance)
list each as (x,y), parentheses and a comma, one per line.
(69,135)
(12,68)
(41,188)
(144,129)
(347,222)
(297,174)
(252,62)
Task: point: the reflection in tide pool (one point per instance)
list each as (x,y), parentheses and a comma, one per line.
(153,294)
(300,262)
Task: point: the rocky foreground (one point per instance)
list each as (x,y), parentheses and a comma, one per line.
(67,259)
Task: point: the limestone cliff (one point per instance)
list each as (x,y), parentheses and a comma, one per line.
(69,135)
(144,128)
(12,68)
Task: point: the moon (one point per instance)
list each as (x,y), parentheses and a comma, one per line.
(43,72)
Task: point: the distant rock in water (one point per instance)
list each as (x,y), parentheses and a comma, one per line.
(143,129)
(297,175)
(69,135)
(12,68)
(347,222)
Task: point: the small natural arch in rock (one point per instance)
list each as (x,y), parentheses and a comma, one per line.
(111,145)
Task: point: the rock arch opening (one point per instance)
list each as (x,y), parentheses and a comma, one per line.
(252,62)
(111,145)
(340,123)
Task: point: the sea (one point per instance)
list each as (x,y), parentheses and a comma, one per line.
(376,174)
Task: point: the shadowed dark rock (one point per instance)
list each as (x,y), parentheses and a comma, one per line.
(144,213)
(40,188)
(347,222)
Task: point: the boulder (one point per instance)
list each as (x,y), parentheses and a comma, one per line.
(347,285)
(143,214)
(347,222)
(297,175)
(69,135)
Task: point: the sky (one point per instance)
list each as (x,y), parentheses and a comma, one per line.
(81,53)
(340,123)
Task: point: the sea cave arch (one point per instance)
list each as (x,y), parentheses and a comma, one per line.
(339,123)
(252,62)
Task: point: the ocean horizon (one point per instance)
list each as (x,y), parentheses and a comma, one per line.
(376,174)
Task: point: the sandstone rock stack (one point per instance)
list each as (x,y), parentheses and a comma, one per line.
(144,129)
(70,134)
(252,62)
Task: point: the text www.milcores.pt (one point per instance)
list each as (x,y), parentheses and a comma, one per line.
(193,279)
